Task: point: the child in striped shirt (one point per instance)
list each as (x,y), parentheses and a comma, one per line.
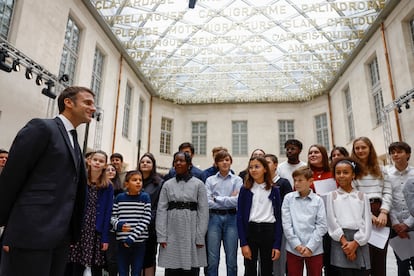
(131,215)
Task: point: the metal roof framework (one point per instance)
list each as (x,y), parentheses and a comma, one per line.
(236,51)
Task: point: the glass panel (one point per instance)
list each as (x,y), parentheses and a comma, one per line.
(165,137)
(199,137)
(239,137)
(238,50)
(286,132)
(70,51)
(6,11)
(97,75)
(127,111)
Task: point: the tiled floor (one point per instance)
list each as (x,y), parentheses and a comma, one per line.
(391,265)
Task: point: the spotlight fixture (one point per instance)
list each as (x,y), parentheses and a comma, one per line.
(399,110)
(407,105)
(39,80)
(16,65)
(29,73)
(47,91)
(191,4)
(3,65)
(64,78)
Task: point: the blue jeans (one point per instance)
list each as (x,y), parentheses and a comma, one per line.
(222,228)
(130,256)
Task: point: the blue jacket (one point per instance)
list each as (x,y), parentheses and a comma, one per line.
(244,205)
(104,211)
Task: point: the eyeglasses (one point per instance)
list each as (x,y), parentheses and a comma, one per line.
(110,170)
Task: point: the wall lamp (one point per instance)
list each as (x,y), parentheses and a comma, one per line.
(64,78)
(16,65)
(12,59)
(47,91)
(39,80)
(29,73)
(3,65)
(191,4)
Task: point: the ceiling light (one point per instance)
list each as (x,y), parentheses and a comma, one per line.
(29,73)
(39,80)
(407,105)
(47,91)
(16,65)
(399,108)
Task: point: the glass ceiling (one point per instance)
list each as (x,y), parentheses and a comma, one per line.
(239,50)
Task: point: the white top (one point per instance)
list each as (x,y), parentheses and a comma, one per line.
(376,188)
(399,212)
(349,211)
(262,209)
(286,169)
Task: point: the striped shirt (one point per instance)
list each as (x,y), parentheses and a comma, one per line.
(376,188)
(134,210)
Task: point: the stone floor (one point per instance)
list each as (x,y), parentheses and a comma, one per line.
(391,265)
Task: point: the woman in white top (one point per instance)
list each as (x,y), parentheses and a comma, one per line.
(379,193)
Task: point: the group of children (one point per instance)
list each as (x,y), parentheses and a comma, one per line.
(128,214)
(305,221)
(265,216)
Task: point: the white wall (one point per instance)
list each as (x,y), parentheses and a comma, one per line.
(38,31)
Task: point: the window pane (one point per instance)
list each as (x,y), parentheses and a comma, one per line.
(96,80)
(127,111)
(286,132)
(165,137)
(6,11)
(70,51)
(322,136)
(199,137)
(239,137)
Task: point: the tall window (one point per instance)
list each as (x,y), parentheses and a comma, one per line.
(70,51)
(286,132)
(140,118)
(239,137)
(321,125)
(376,90)
(96,82)
(412,31)
(349,114)
(199,137)
(6,12)
(127,111)
(166,131)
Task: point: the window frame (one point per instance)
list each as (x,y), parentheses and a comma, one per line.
(285,134)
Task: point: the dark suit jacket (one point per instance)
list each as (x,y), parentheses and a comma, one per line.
(42,189)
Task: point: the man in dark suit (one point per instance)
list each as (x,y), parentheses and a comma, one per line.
(43,189)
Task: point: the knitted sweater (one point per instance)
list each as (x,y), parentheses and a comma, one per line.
(135,210)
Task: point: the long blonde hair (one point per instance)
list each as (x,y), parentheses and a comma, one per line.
(371,166)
